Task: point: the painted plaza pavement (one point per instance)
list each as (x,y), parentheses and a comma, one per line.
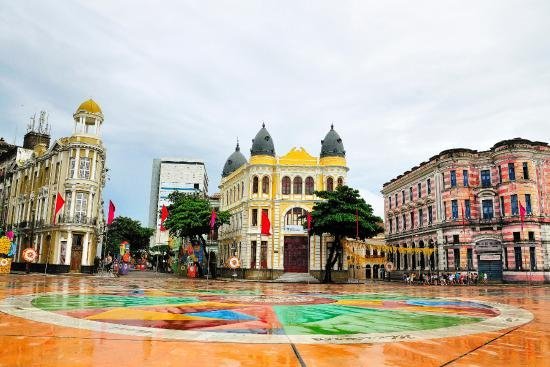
(150,320)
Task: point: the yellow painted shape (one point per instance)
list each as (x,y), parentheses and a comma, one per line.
(134,314)
(359,302)
(333,161)
(262,159)
(157,293)
(298,157)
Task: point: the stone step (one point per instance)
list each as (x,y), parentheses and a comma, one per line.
(297,278)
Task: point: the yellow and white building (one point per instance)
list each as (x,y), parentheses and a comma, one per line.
(283,188)
(74,166)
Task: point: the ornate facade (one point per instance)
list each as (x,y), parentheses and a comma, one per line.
(283,188)
(468,206)
(74,166)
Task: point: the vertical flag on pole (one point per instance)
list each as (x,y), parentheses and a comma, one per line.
(308,222)
(59,202)
(213,217)
(163,216)
(111,215)
(266,224)
(522,213)
(463,220)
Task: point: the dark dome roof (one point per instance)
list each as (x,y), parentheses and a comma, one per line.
(262,144)
(235,160)
(332,145)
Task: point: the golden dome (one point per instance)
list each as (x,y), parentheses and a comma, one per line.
(89,106)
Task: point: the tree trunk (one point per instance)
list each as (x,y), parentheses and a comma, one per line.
(331,260)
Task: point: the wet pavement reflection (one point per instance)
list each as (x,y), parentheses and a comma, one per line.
(147,320)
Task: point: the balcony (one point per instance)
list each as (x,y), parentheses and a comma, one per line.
(77,219)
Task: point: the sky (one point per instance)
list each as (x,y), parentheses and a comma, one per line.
(400,80)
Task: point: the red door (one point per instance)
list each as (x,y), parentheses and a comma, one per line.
(295,260)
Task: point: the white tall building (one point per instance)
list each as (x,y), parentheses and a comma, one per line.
(169,175)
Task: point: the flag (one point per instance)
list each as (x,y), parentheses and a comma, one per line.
(111,215)
(59,202)
(163,216)
(266,224)
(522,213)
(463,220)
(309,219)
(356,223)
(213,217)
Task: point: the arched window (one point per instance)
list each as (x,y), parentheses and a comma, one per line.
(286,185)
(330,184)
(340,181)
(297,189)
(310,185)
(255,185)
(242,189)
(265,185)
(238,191)
(295,216)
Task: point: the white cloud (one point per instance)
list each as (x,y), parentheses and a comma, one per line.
(400,80)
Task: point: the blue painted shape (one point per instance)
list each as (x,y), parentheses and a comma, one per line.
(223,314)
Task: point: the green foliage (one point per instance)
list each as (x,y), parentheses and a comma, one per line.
(336,214)
(190,215)
(127,229)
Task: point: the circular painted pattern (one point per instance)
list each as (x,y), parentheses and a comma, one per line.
(250,317)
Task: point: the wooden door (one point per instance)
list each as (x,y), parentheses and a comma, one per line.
(295,255)
(76,252)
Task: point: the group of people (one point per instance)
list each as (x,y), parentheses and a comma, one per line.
(457,278)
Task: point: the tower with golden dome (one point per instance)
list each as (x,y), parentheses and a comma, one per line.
(281,188)
(74,167)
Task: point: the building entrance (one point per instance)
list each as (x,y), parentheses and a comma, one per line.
(76,252)
(296,256)
(489,259)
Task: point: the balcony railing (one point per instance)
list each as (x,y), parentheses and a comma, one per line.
(77,219)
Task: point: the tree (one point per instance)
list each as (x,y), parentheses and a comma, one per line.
(336,214)
(190,217)
(127,229)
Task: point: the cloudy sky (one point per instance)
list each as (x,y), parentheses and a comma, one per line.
(401,80)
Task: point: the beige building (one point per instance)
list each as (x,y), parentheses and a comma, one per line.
(73,166)
(283,188)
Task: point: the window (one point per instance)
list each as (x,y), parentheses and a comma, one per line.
(528,204)
(517,236)
(532,258)
(297,185)
(499,174)
(467,209)
(340,181)
(465,179)
(531,235)
(397,224)
(485,178)
(253,250)
(265,185)
(525,171)
(263,255)
(403,196)
(412,220)
(453,178)
(456,254)
(72,164)
(410,193)
(242,189)
(255,185)
(404,222)
(80,207)
(487,206)
(517,253)
(295,217)
(396,200)
(68,200)
(445,210)
(514,204)
(286,185)
(456,239)
(420,218)
(84,168)
(330,184)
(430,215)
(511,172)
(419,190)
(429,186)
(443,180)
(391,225)
(502,212)
(454,208)
(389,202)
(310,186)
(470,259)
(254,218)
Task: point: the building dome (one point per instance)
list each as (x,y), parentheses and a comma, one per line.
(89,106)
(262,144)
(332,145)
(235,160)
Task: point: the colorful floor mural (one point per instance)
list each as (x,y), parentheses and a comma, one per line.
(251,316)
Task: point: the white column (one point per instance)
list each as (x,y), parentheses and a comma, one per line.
(76,163)
(89,208)
(73,199)
(69,248)
(93,166)
(85,246)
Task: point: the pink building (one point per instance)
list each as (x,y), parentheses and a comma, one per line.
(467,205)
